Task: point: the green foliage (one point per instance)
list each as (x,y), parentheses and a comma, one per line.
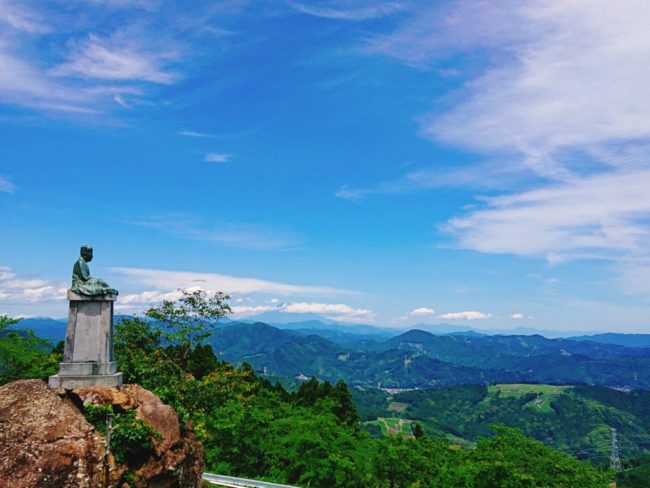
(335,399)
(189,321)
(636,473)
(511,460)
(96,415)
(24,355)
(575,420)
(202,361)
(417,430)
(132,438)
(254,429)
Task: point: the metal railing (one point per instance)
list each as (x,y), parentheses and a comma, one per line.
(232,482)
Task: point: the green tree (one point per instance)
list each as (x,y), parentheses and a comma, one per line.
(189,321)
(23,354)
(344,408)
(202,361)
(417,430)
(512,460)
(399,462)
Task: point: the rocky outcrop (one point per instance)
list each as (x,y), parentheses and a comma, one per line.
(45,440)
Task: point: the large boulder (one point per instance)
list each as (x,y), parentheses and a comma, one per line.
(45,440)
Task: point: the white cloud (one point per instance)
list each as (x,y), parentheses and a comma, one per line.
(575,78)
(118,58)
(54,59)
(517,316)
(20,19)
(349,9)
(164,281)
(6,185)
(21,83)
(440,29)
(191,133)
(334,311)
(469,315)
(422,312)
(597,216)
(484,176)
(562,101)
(249,310)
(329,310)
(216,157)
(16,289)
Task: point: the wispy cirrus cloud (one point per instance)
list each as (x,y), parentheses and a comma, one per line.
(478,177)
(80,60)
(600,216)
(19,18)
(242,235)
(191,133)
(353,10)
(333,311)
(560,96)
(6,185)
(167,281)
(216,157)
(118,58)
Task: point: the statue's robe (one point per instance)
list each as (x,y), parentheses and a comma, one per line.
(84,284)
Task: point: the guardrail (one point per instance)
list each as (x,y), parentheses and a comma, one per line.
(232,482)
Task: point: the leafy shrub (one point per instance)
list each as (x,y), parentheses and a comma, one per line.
(132,439)
(96,415)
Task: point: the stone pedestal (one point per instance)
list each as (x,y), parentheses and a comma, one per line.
(88,354)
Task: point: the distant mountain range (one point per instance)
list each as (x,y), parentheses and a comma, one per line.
(421,359)
(369,356)
(329,328)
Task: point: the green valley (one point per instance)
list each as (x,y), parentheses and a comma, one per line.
(574,419)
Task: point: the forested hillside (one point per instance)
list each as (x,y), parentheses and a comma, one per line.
(421,359)
(574,419)
(312,437)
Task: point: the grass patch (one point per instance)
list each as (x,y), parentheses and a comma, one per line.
(545,394)
(393,426)
(397,407)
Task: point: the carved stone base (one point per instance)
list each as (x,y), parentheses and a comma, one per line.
(70,382)
(92,368)
(88,353)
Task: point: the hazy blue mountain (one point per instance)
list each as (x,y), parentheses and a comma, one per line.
(314,321)
(627,340)
(342,327)
(239,339)
(497,351)
(419,358)
(443,329)
(46,328)
(366,355)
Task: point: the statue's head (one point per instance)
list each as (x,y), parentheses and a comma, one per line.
(87,253)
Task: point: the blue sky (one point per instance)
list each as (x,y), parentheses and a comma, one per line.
(483,164)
